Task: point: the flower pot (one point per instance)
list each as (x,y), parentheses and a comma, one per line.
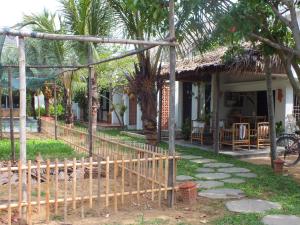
(188,192)
(278,166)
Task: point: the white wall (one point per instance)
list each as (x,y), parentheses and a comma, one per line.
(41,99)
(76,110)
(117,100)
(139,123)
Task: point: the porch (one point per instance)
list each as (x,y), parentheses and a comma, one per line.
(226,103)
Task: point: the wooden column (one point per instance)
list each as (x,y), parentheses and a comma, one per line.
(268,69)
(22,80)
(11,116)
(92,108)
(172,168)
(216,111)
(55,111)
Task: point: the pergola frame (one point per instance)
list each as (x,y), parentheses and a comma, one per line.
(93,39)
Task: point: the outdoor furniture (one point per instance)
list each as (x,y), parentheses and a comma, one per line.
(237,136)
(197,131)
(262,134)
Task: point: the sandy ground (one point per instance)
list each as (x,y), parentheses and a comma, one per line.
(293,171)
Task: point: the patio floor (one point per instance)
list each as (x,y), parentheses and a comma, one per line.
(243,153)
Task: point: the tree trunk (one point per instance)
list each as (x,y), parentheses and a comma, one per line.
(32,102)
(272,131)
(149,112)
(47,104)
(68,110)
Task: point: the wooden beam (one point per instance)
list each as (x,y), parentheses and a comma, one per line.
(216,111)
(55,110)
(82,38)
(22,77)
(172,169)
(11,116)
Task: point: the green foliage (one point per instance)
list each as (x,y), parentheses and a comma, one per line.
(186,129)
(279,128)
(60,111)
(49,149)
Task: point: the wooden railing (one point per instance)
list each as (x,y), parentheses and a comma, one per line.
(100,184)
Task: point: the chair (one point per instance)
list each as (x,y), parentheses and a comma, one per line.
(237,136)
(262,135)
(197,131)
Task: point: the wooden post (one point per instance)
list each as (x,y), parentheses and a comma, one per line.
(11,116)
(216,111)
(268,68)
(159,114)
(171,104)
(55,111)
(22,75)
(91,94)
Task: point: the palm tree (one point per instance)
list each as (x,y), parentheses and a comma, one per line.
(88,17)
(195,21)
(57,53)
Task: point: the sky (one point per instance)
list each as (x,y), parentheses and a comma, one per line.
(12,11)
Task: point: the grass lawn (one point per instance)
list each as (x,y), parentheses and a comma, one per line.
(49,149)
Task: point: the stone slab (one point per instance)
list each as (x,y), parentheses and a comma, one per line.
(217,165)
(223,193)
(234,180)
(205,170)
(246,175)
(201,161)
(189,157)
(251,206)
(213,176)
(281,219)
(184,178)
(233,170)
(209,184)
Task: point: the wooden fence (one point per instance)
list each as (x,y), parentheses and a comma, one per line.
(58,187)
(103,145)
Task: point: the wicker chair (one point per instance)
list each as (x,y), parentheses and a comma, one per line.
(197,131)
(237,136)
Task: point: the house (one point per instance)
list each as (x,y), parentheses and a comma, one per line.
(242,89)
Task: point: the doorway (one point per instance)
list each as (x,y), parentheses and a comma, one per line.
(187,102)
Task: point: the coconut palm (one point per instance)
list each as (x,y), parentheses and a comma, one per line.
(57,53)
(149,19)
(88,17)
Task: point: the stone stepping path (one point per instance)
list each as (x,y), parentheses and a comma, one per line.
(223,193)
(251,206)
(205,170)
(233,170)
(189,157)
(201,161)
(246,175)
(234,180)
(281,220)
(213,176)
(217,165)
(209,184)
(183,178)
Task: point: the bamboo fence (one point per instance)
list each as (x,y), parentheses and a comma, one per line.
(103,145)
(58,187)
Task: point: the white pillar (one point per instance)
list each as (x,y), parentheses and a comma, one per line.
(117,100)
(178,105)
(126,113)
(139,122)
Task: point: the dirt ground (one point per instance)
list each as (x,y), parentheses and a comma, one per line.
(293,171)
(182,214)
